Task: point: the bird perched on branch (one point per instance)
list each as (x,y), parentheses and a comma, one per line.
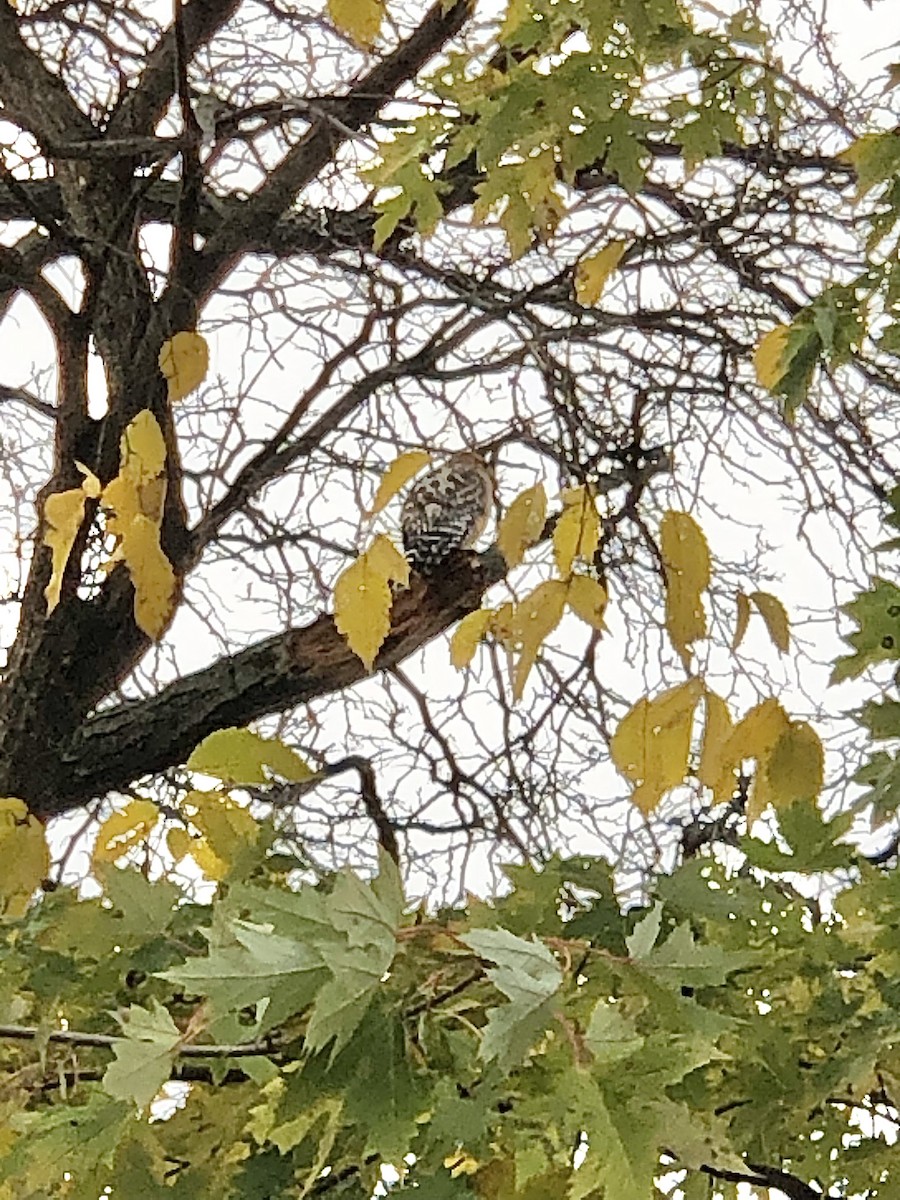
(447,510)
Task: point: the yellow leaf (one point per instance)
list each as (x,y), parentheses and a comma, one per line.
(775,616)
(522,524)
(63,514)
(768,358)
(460,1163)
(686,558)
(184,360)
(240,756)
(398,475)
(142,447)
(653,741)
(796,767)
(587,599)
(228,830)
(716,767)
(362,598)
(141,460)
(207,860)
(577,532)
(90,485)
(467,636)
(124,830)
(360,19)
(12,811)
(592,273)
(743,620)
(756,737)
(386,560)
(179,843)
(24,854)
(502,625)
(534,619)
(152,576)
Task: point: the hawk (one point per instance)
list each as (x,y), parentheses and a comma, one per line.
(446,511)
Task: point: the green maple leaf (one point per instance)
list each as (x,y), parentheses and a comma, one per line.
(254,965)
(78,1139)
(682,961)
(877,613)
(528,974)
(145,1056)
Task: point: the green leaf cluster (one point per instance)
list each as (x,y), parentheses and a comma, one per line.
(547,1042)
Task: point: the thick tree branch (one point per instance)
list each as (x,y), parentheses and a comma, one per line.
(140,108)
(31,95)
(291,668)
(317,147)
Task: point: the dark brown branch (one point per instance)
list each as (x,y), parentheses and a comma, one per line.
(32,96)
(344,115)
(758,1175)
(141,107)
(368,788)
(297,666)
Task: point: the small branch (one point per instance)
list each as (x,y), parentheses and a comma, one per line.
(105,1041)
(147,149)
(140,108)
(387,838)
(288,794)
(768,1177)
(15,395)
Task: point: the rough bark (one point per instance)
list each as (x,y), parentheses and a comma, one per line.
(143,737)
(53,754)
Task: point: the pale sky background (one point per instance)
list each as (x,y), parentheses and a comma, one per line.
(268,375)
(266,372)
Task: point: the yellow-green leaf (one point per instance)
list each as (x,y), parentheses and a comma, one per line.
(240,756)
(398,474)
(124,830)
(24,854)
(756,737)
(227,829)
(742,621)
(768,358)
(533,620)
(653,741)
(592,273)
(775,616)
(716,767)
(362,598)
(522,524)
(184,360)
(468,635)
(179,843)
(875,157)
(385,559)
(142,447)
(686,558)
(587,598)
(63,514)
(577,532)
(796,767)
(152,576)
(359,19)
